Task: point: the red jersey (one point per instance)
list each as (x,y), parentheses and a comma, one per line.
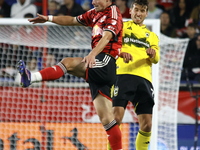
(108,20)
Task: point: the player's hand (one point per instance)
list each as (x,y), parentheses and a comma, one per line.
(89,61)
(39,19)
(151,52)
(126,57)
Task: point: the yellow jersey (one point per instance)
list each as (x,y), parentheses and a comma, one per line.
(136,39)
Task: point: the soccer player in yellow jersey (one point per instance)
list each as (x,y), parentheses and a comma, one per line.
(134,70)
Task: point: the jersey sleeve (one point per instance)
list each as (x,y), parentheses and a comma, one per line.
(114,21)
(155,46)
(85,19)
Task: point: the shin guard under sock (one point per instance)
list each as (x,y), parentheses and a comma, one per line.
(53,73)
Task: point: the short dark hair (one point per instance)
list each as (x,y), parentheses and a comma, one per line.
(193,25)
(140,2)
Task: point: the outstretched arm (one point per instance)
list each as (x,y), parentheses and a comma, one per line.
(61,20)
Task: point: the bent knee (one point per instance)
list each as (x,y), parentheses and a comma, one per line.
(146,127)
(67,62)
(70,63)
(119,114)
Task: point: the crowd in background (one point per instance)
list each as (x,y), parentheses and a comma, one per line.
(178,19)
(175,15)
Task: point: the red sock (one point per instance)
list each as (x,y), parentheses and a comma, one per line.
(51,73)
(115,137)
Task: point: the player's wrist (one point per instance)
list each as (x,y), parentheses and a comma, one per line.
(50,18)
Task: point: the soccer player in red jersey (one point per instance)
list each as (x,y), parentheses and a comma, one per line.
(98,68)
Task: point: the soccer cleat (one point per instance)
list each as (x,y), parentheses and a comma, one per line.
(25,74)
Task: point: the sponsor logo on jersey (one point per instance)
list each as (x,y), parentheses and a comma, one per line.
(102,19)
(152,92)
(114,22)
(133,40)
(116,89)
(96,31)
(147,34)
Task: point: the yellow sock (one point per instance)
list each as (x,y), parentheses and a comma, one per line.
(142,140)
(108,144)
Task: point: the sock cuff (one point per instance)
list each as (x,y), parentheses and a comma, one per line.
(110,125)
(62,67)
(147,134)
(36,77)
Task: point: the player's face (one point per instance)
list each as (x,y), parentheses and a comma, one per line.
(100,5)
(138,13)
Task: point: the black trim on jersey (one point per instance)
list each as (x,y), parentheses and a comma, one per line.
(110,31)
(80,21)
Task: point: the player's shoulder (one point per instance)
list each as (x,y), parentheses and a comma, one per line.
(146,28)
(153,34)
(113,6)
(90,13)
(113,10)
(149,31)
